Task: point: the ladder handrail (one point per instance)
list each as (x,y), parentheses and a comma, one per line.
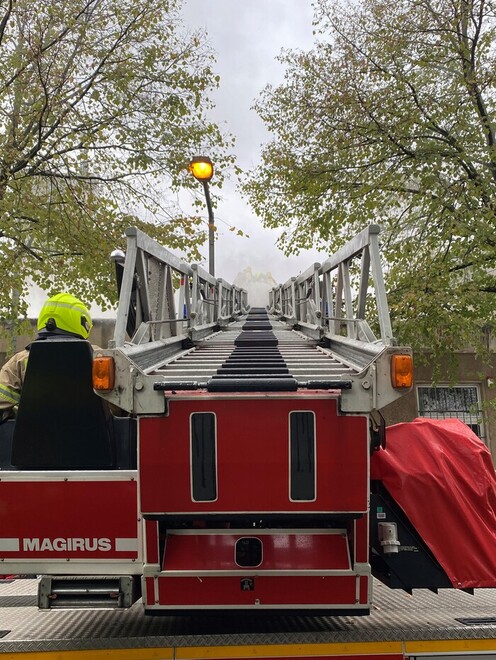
(149,282)
(322,299)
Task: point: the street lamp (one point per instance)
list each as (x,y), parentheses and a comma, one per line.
(201,167)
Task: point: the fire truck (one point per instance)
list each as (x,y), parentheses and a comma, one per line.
(249,470)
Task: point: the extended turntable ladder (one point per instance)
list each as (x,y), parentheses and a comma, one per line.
(178,328)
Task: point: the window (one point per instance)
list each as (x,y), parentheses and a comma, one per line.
(461,402)
(302,456)
(203,457)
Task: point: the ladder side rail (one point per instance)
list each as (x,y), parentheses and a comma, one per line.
(213,302)
(195,297)
(308,290)
(292,299)
(153,355)
(274,294)
(156,276)
(151,247)
(156,296)
(142,255)
(298,301)
(237,301)
(125,293)
(366,245)
(142,331)
(327,309)
(206,287)
(237,308)
(232,301)
(315,298)
(185,309)
(353,248)
(219,291)
(244,301)
(225,308)
(167,306)
(184,305)
(204,276)
(181,302)
(207,303)
(271,306)
(364,283)
(142,291)
(380,292)
(284,299)
(203,299)
(364,331)
(338,301)
(279,300)
(348,302)
(161,308)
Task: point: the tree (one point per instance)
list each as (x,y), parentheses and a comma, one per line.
(391,120)
(102,105)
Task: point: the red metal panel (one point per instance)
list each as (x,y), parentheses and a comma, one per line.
(151,541)
(299,551)
(364,589)
(149,591)
(253,457)
(68,519)
(362,539)
(267,591)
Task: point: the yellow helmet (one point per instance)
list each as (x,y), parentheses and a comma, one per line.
(65,313)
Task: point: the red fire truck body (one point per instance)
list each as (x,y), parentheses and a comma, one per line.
(238,476)
(223,566)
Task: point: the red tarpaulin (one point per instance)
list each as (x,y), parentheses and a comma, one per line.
(442,476)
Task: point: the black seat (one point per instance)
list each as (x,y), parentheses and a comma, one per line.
(6,437)
(61,423)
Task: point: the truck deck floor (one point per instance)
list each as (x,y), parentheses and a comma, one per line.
(420,624)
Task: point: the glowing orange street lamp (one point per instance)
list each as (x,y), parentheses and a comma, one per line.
(201,167)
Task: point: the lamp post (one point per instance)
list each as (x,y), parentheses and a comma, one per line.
(201,167)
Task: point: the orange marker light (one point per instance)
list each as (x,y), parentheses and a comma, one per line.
(402,371)
(103,373)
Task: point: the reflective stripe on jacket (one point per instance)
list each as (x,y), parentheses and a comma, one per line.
(11,379)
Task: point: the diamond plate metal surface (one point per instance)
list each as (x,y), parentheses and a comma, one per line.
(395,616)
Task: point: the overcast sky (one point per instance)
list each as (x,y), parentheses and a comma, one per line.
(247,37)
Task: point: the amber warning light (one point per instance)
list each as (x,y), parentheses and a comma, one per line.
(402,371)
(103,373)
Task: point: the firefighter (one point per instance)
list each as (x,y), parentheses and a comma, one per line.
(62,316)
